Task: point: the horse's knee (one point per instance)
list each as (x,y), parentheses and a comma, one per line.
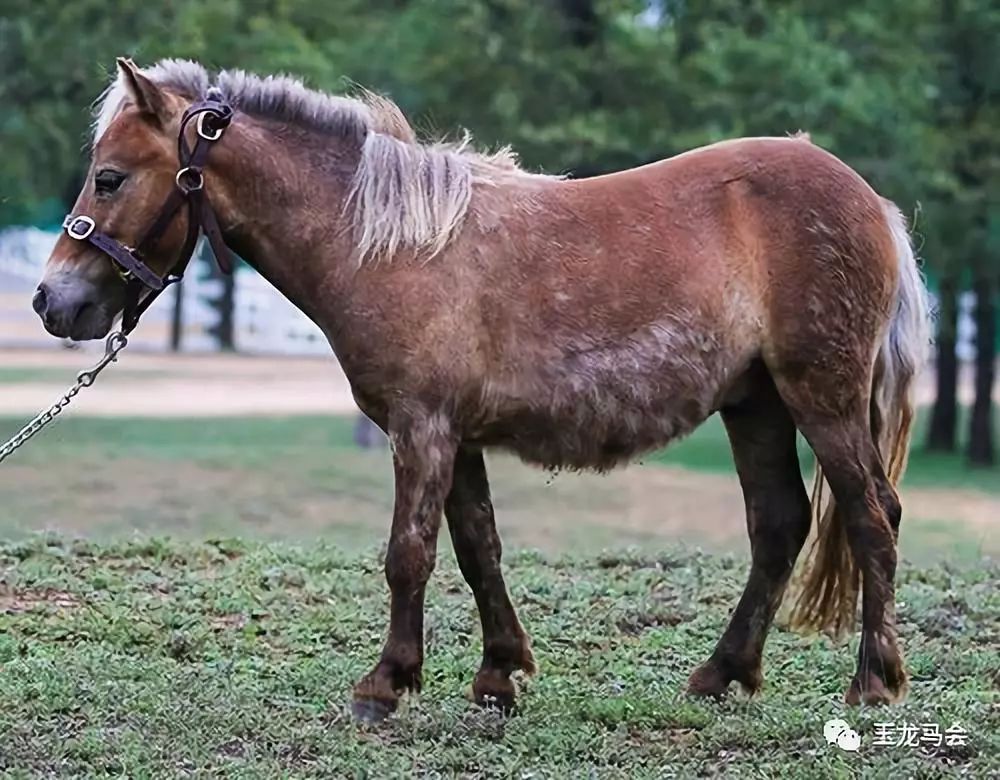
(408,563)
(873,524)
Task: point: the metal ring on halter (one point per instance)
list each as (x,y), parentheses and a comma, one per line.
(70,225)
(189,171)
(208,135)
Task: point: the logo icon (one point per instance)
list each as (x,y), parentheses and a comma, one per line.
(838,731)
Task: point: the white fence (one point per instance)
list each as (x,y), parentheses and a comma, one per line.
(263,321)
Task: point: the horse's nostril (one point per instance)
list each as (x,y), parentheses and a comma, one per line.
(41,300)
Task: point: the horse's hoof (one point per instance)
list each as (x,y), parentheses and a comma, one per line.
(493,690)
(707,680)
(874,692)
(498,702)
(372,710)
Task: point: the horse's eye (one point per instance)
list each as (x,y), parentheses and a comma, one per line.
(107,181)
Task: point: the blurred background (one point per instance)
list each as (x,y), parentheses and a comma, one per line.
(228,416)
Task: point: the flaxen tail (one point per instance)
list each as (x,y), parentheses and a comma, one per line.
(829,590)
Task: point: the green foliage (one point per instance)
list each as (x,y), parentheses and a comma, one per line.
(159,659)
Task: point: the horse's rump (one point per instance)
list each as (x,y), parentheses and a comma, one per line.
(638,301)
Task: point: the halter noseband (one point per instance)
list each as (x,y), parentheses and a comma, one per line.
(211,116)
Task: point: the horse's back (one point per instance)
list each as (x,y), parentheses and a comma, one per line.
(769,239)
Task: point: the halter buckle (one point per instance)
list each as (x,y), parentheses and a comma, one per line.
(208,135)
(79,228)
(184,173)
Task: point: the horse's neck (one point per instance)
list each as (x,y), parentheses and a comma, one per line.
(281,211)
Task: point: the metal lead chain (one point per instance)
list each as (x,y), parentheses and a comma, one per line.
(116,343)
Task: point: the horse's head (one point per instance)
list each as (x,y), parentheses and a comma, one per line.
(132,174)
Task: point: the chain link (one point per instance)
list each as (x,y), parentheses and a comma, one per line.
(116,343)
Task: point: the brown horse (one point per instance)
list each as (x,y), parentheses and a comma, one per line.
(575,323)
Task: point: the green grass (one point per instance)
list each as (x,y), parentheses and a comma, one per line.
(707,449)
(241,441)
(257,440)
(14,375)
(60,376)
(159,659)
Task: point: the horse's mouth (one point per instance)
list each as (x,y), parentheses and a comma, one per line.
(92,322)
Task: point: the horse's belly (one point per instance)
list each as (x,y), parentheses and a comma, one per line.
(591,438)
(597,410)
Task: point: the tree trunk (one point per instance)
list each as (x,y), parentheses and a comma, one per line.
(944,416)
(227,303)
(981,422)
(177,319)
(583,21)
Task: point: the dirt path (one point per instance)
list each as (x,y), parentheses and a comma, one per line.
(154,385)
(211,385)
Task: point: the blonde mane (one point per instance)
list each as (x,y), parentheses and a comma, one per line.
(404,194)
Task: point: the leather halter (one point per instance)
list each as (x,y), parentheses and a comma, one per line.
(211,117)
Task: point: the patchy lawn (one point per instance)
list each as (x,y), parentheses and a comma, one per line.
(161,659)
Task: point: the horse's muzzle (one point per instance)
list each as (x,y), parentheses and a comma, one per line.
(72,308)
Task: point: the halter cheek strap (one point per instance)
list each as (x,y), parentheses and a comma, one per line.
(211,116)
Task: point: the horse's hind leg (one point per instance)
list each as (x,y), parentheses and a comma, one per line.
(762,435)
(469,511)
(870,512)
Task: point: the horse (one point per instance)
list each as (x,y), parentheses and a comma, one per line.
(474,305)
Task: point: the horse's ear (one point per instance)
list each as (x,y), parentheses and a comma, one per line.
(147,96)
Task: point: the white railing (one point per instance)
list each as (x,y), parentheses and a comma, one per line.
(263,321)
(23,252)
(266,322)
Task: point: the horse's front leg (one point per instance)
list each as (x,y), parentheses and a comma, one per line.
(469,511)
(423,456)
